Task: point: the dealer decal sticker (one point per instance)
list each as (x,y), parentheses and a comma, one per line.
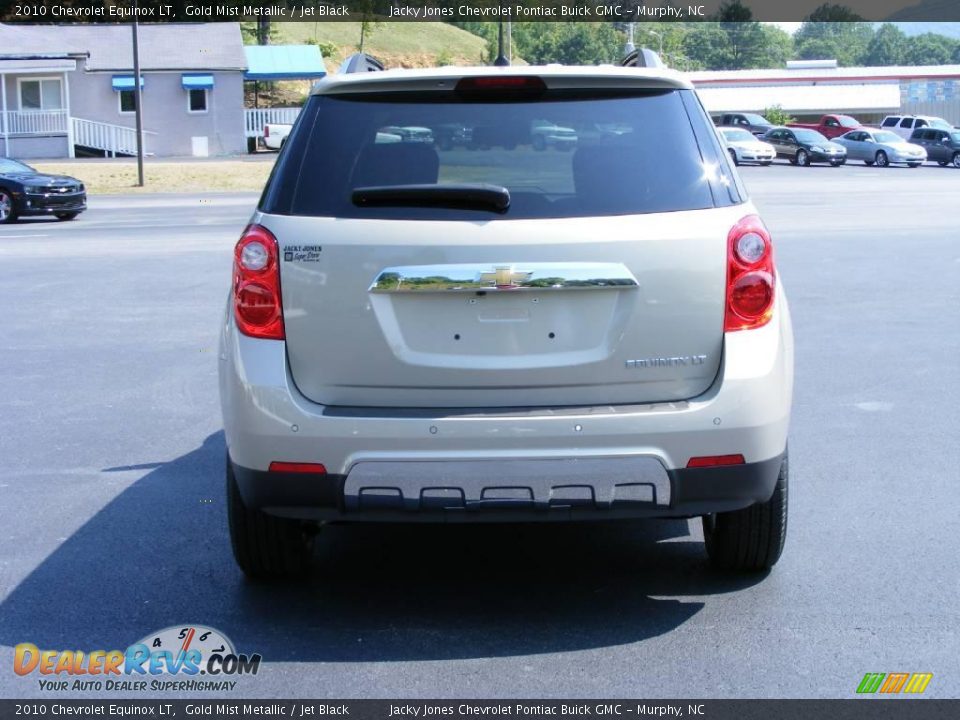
(178,658)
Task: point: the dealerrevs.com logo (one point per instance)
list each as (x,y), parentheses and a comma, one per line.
(178,658)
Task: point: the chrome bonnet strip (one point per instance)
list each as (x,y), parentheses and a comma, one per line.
(506,277)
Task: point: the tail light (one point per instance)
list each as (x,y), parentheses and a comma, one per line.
(715,461)
(500,87)
(266,131)
(751,276)
(257,306)
(298,467)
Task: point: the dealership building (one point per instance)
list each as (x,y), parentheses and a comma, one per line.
(810,88)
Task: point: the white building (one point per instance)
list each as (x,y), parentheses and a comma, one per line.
(814,87)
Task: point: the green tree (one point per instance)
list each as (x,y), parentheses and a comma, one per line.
(834,32)
(582,43)
(735,41)
(887,47)
(929,49)
(777,115)
(744,36)
(707,46)
(777,47)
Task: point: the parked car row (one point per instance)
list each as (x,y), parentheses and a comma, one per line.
(839,138)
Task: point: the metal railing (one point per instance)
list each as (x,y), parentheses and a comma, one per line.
(33,122)
(255,118)
(112,139)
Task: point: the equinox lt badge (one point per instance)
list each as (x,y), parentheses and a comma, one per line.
(678,361)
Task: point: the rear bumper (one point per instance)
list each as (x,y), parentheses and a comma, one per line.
(450,495)
(746,411)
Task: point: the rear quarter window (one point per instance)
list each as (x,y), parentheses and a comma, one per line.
(568,155)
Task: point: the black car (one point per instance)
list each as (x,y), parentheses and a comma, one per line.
(756,124)
(24,191)
(802,146)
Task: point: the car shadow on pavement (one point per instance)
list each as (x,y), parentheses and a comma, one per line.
(158,555)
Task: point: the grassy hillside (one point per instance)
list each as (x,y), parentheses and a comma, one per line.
(398,44)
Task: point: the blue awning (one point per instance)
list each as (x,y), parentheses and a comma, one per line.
(284,62)
(197,81)
(125,82)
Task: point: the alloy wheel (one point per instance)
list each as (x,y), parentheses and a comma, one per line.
(6,206)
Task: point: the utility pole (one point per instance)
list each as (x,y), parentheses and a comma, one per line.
(138,94)
(501,60)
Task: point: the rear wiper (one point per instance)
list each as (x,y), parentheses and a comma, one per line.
(477,196)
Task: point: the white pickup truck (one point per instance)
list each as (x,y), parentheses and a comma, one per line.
(275,134)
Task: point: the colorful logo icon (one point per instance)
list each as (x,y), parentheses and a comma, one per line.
(177,650)
(893,683)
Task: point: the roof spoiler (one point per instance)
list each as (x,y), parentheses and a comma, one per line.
(642,57)
(360,62)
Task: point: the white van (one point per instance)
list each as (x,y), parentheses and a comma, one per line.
(904,125)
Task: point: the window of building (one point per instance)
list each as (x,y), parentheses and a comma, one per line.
(41,94)
(197,101)
(128,101)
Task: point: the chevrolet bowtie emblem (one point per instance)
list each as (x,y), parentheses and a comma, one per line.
(504,276)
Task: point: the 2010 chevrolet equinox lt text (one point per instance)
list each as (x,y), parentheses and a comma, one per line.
(492,331)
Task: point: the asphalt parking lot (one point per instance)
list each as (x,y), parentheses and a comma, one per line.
(112,521)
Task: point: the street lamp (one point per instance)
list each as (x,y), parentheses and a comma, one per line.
(630,46)
(659,38)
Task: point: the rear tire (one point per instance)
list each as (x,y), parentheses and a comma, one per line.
(956,160)
(882,159)
(265,547)
(749,540)
(803,158)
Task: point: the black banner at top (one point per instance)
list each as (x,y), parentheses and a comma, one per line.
(112,11)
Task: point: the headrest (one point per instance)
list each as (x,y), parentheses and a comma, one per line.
(405,163)
(606,174)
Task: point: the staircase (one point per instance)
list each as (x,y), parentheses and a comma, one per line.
(112,140)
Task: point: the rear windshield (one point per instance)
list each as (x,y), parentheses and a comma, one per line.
(560,156)
(808,135)
(758,120)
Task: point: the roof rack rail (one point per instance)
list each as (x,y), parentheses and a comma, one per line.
(360,62)
(642,57)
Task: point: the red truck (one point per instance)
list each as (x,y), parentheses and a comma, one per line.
(832,126)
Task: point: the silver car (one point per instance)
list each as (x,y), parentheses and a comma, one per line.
(881,148)
(505,335)
(745,147)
